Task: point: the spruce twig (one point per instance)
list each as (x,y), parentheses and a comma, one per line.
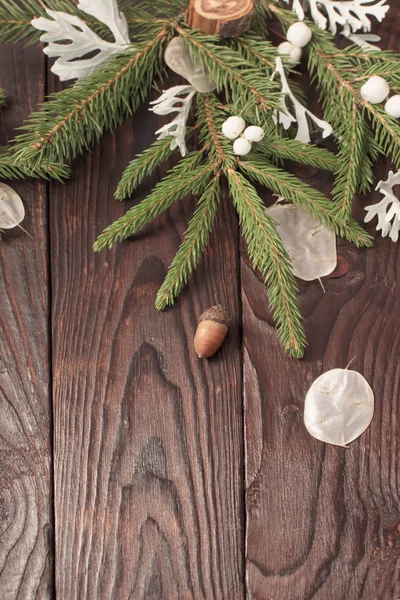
(301,194)
(269,256)
(194,243)
(75,118)
(186,178)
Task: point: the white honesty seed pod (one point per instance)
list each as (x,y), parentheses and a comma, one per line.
(179,60)
(299,34)
(241,146)
(375,90)
(392,107)
(233,127)
(339,406)
(310,245)
(253,133)
(12,211)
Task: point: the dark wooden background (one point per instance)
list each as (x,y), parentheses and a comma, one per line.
(129,469)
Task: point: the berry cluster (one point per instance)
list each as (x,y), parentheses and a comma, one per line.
(298,35)
(376,90)
(234,128)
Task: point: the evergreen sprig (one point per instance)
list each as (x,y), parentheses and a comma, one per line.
(299,193)
(142,166)
(188,177)
(75,118)
(232,74)
(143,18)
(3,97)
(194,243)
(268,255)
(11,168)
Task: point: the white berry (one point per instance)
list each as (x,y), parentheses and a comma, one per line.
(233,127)
(253,133)
(299,34)
(392,107)
(294,53)
(375,90)
(241,146)
(285,48)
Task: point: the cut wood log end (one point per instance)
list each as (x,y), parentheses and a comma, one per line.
(225,18)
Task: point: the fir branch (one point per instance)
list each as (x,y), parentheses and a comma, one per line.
(269,256)
(10,168)
(256,49)
(333,77)
(75,118)
(301,194)
(3,97)
(212,118)
(231,73)
(16,17)
(185,178)
(351,158)
(297,151)
(372,153)
(142,166)
(194,243)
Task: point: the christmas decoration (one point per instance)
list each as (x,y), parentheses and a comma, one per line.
(241,146)
(12,210)
(62,27)
(253,133)
(233,127)
(211,331)
(375,90)
(174,100)
(299,34)
(178,59)
(392,107)
(352,13)
(119,53)
(339,407)
(310,245)
(302,114)
(388,209)
(293,52)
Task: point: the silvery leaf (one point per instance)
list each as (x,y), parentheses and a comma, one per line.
(176,99)
(81,40)
(302,114)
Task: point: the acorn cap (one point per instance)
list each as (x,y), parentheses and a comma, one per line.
(217,314)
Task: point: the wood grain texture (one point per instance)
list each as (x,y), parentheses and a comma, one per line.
(226,18)
(323,522)
(26,548)
(148,438)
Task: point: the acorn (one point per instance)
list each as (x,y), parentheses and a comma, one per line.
(211,331)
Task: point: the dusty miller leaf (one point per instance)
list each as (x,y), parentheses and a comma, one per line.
(388,209)
(176,99)
(82,40)
(301,112)
(332,13)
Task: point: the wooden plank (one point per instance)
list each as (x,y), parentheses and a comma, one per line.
(323,522)
(148,438)
(25,413)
